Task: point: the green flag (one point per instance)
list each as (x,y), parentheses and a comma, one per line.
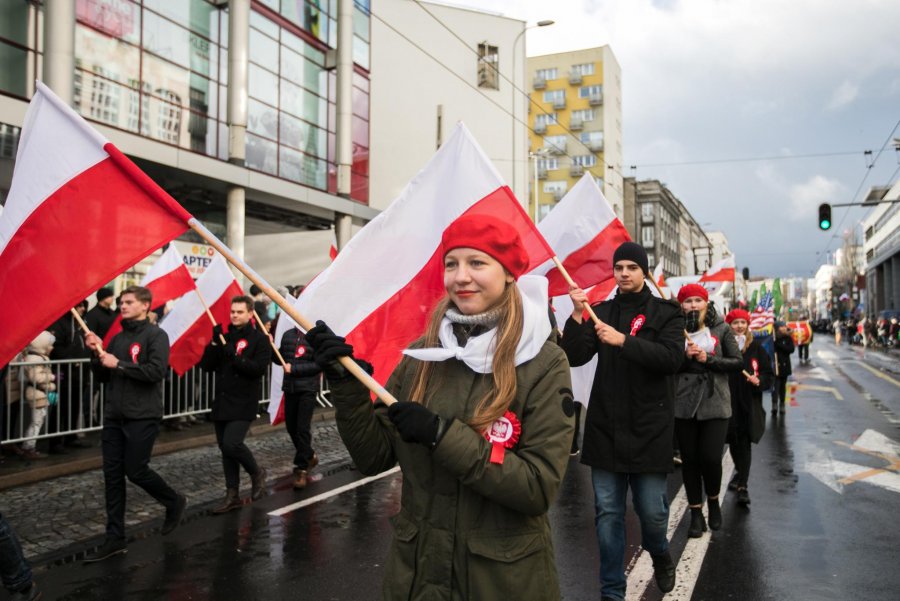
(753,300)
(776,296)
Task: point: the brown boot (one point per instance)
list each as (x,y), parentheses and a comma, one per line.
(259,485)
(232,501)
(313,462)
(300,480)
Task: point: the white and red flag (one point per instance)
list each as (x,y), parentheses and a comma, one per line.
(721,271)
(383,285)
(276,396)
(188,325)
(78,213)
(167,280)
(332,250)
(584,231)
(660,280)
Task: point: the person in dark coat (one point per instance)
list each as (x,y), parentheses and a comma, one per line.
(300,386)
(784,348)
(101,317)
(133,368)
(628,431)
(73,379)
(748,417)
(239,364)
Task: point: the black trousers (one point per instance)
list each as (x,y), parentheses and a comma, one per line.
(803,350)
(235,454)
(298,412)
(779,392)
(701,443)
(126,447)
(740,449)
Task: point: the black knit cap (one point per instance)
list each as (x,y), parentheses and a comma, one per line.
(104,293)
(631,251)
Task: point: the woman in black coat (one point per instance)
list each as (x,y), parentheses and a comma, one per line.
(748,418)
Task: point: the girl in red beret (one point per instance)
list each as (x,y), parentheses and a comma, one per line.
(703,403)
(481,432)
(748,417)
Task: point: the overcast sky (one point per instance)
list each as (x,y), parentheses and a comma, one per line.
(730,79)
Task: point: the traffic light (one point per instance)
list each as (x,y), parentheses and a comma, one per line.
(824,216)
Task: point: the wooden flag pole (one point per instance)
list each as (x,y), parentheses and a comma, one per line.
(348,363)
(87,330)
(565,274)
(271,340)
(209,314)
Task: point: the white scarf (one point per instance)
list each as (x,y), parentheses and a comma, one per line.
(478,353)
(741,340)
(704,339)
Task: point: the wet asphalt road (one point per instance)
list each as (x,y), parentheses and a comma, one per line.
(805,536)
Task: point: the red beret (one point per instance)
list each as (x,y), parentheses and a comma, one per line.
(489,235)
(690,290)
(737,314)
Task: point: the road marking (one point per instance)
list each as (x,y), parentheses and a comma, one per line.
(838,474)
(691,559)
(331,493)
(881,375)
(817,373)
(830,389)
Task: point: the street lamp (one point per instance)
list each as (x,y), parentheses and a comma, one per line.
(543,23)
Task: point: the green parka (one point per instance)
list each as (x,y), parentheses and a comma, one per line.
(469,528)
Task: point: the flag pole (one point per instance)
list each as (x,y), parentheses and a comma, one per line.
(87,330)
(572,284)
(349,364)
(271,340)
(209,314)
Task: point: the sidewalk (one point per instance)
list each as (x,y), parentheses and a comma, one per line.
(67,512)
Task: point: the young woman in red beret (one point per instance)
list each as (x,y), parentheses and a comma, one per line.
(748,417)
(703,403)
(482,430)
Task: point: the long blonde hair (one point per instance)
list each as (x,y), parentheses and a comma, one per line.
(503,390)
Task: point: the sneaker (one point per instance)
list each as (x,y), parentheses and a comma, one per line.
(664,571)
(232,501)
(174,515)
(575,450)
(32,593)
(107,549)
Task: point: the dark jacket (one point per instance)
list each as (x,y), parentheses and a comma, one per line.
(702,389)
(100,319)
(69,342)
(134,390)
(239,366)
(468,528)
(304,376)
(629,424)
(784,348)
(747,413)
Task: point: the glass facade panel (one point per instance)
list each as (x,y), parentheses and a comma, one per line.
(302,71)
(302,135)
(262,119)
(302,168)
(262,154)
(13,63)
(166,39)
(361,53)
(263,49)
(361,104)
(197,15)
(106,56)
(116,18)
(14,21)
(263,85)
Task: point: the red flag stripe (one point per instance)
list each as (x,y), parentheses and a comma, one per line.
(592,262)
(188,349)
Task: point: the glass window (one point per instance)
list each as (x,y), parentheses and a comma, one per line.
(545,119)
(263,49)
(488,66)
(203,96)
(262,154)
(302,71)
(302,135)
(117,18)
(361,53)
(262,119)
(197,15)
(647,236)
(167,40)
(360,103)
(263,85)
(303,168)
(301,103)
(162,78)
(583,115)
(554,95)
(550,187)
(585,160)
(13,23)
(360,131)
(548,164)
(295,43)
(105,56)
(360,23)
(546,74)
(13,62)
(647,210)
(167,121)
(555,142)
(588,91)
(583,69)
(263,24)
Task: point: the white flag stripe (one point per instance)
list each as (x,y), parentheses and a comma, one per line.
(578,218)
(726,263)
(212,284)
(38,175)
(167,263)
(284,324)
(458,176)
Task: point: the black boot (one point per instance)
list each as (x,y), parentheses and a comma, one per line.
(734,484)
(664,571)
(259,485)
(174,514)
(743,496)
(698,524)
(715,514)
(232,501)
(109,548)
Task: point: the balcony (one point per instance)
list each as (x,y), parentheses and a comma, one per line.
(539,83)
(595,99)
(576,170)
(540,128)
(557,147)
(595,145)
(574,78)
(576,124)
(559,103)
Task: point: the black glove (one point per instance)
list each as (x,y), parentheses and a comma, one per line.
(230,352)
(415,423)
(217,331)
(365,365)
(328,346)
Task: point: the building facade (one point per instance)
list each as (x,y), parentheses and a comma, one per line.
(575,116)
(881,244)
(153,77)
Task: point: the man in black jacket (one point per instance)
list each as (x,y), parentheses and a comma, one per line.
(630,418)
(101,317)
(784,348)
(300,385)
(133,369)
(239,365)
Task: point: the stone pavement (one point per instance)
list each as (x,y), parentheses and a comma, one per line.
(61,517)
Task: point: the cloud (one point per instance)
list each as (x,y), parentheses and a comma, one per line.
(805,198)
(843,96)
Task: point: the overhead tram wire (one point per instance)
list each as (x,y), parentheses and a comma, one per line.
(861,183)
(510,82)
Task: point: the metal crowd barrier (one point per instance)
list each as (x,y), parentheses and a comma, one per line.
(79,406)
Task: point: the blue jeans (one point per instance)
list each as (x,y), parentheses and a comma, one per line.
(13,568)
(652,507)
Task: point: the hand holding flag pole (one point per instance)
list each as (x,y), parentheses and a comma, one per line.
(84,328)
(209,314)
(271,340)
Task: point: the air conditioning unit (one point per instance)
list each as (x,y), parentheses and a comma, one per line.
(540,128)
(576,124)
(559,103)
(539,83)
(542,174)
(596,99)
(576,170)
(574,78)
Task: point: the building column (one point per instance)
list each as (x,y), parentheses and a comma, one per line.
(235,220)
(59,48)
(344,112)
(238,68)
